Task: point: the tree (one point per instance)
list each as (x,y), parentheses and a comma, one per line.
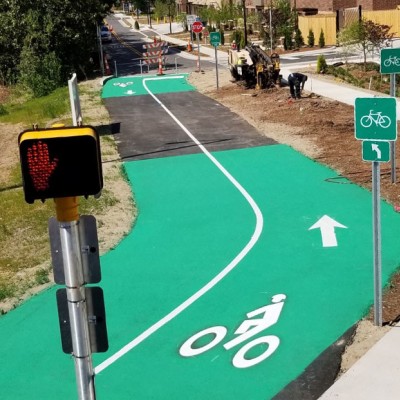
(298,38)
(59,33)
(365,36)
(279,21)
(311,38)
(321,40)
(215,15)
(288,40)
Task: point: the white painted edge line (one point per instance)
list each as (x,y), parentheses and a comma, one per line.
(253,240)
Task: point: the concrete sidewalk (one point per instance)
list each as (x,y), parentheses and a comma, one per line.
(375,376)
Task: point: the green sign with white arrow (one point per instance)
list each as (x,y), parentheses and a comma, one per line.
(375,151)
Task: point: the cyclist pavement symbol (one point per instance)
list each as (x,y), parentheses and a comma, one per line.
(133,86)
(223,244)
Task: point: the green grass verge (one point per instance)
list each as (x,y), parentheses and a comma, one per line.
(25,248)
(36,111)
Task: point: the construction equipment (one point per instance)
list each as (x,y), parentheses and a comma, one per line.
(254,66)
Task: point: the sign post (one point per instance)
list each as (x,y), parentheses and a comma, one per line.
(74,100)
(375,123)
(197,27)
(64,163)
(390,64)
(215,40)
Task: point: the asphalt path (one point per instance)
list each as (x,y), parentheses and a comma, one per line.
(147,131)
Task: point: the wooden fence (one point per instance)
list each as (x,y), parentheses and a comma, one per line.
(316,23)
(327,22)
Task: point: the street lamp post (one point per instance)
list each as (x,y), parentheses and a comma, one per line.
(244,21)
(270,26)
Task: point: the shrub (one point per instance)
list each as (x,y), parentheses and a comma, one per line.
(298,39)
(3,111)
(321,40)
(41,74)
(311,38)
(322,66)
(238,37)
(287,42)
(221,31)
(136,25)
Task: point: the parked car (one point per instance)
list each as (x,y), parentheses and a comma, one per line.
(106,36)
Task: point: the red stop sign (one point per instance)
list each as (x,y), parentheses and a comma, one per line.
(197,27)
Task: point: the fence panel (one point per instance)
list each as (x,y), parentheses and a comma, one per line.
(387,17)
(325,22)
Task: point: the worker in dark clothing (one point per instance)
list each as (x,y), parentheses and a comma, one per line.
(296,84)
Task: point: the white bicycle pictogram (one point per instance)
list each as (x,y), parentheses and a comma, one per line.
(246,330)
(122,84)
(392,60)
(380,120)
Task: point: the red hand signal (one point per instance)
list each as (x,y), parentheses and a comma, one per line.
(39,165)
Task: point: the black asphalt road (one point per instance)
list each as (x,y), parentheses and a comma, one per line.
(147,131)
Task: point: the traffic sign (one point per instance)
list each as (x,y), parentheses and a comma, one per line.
(215,39)
(191,18)
(197,27)
(390,61)
(375,151)
(60,162)
(375,118)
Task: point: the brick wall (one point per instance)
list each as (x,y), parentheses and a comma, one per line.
(375,5)
(333,5)
(338,4)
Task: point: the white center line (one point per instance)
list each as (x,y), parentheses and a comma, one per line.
(253,240)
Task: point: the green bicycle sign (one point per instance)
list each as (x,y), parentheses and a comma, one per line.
(375,119)
(215,39)
(390,61)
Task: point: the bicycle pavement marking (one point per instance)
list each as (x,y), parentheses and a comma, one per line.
(253,240)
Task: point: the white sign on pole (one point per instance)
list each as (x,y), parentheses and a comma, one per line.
(74,100)
(190,19)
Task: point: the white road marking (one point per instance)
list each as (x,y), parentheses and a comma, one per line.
(327,226)
(253,240)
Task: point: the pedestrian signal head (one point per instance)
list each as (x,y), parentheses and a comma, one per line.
(60,162)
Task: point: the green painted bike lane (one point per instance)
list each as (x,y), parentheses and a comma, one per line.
(327,289)
(192,223)
(133,85)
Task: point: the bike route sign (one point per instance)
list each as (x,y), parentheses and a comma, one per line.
(375,119)
(215,39)
(390,61)
(375,151)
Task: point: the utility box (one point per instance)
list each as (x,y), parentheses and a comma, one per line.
(60,162)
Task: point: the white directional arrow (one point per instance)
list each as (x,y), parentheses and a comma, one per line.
(327,226)
(375,148)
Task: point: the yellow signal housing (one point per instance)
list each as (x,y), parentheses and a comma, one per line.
(60,162)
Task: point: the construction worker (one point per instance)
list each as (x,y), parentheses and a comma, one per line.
(296,82)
